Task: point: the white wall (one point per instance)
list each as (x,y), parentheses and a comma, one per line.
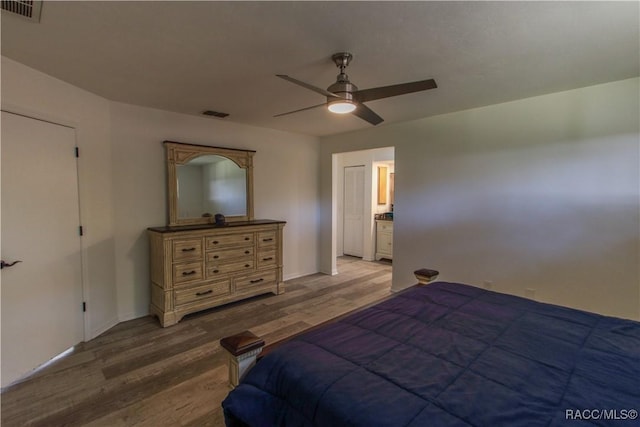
(27,91)
(285,188)
(541,193)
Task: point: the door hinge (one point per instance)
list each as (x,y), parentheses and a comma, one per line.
(84,306)
(77,152)
(81,230)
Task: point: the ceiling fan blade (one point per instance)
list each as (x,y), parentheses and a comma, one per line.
(394,90)
(302,109)
(367,114)
(307,85)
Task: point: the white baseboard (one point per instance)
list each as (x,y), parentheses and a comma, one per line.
(102,328)
(291,276)
(130,316)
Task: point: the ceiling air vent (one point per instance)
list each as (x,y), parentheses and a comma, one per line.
(27,9)
(215,114)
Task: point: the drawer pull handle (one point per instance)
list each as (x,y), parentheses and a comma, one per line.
(188,249)
(246,238)
(267,259)
(247,265)
(188,273)
(216,271)
(247,252)
(267,240)
(199,294)
(215,242)
(256,281)
(216,257)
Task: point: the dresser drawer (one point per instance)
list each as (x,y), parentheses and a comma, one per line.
(202,292)
(227,254)
(230,267)
(266,238)
(255,280)
(267,258)
(187,272)
(386,226)
(187,249)
(213,242)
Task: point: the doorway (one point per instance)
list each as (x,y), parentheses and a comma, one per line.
(343,164)
(42,300)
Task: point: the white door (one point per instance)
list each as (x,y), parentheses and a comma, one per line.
(353,230)
(41,295)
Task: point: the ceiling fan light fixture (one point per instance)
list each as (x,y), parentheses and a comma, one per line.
(342,106)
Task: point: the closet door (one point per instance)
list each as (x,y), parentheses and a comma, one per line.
(41,295)
(353,231)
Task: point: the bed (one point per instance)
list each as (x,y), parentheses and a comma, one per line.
(448,354)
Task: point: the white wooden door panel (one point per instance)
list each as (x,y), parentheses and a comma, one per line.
(42,295)
(353,230)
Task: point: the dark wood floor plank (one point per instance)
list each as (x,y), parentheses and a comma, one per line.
(281,328)
(324,292)
(132,328)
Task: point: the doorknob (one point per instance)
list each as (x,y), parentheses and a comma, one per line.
(7,264)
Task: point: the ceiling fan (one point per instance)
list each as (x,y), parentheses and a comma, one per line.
(344,97)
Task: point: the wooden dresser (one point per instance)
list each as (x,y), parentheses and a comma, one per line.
(202,266)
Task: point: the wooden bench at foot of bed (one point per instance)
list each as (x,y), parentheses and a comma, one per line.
(244,348)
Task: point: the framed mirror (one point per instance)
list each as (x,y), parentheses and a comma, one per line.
(204,181)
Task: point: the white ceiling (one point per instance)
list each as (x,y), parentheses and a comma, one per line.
(192,56)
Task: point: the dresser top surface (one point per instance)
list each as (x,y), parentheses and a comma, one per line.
(234,224)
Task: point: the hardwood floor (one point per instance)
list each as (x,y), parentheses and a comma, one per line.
(139,374)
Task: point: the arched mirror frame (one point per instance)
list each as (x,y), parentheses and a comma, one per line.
(178,153)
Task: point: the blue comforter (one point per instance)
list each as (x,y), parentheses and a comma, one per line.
(449,354)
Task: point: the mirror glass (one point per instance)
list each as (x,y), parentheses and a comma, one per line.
(204,181)
(211,184)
